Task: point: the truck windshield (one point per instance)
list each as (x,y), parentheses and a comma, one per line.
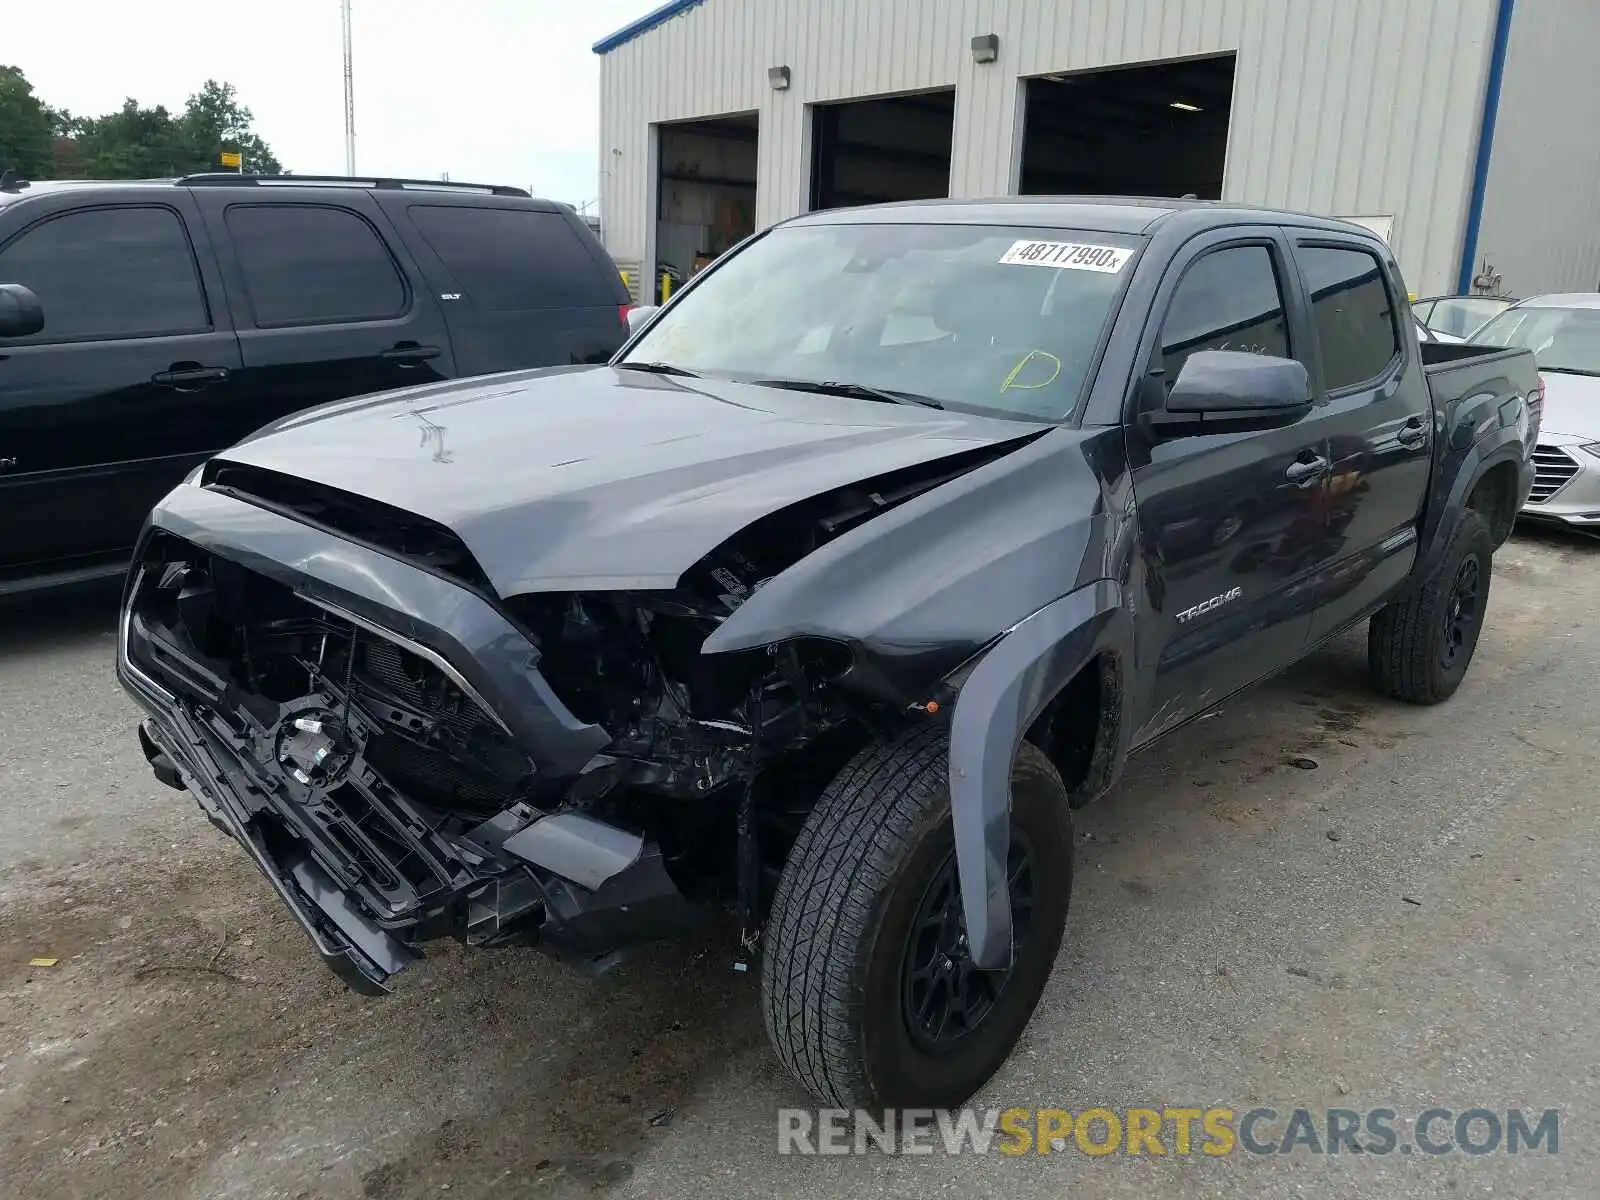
(1562,339)
(1000,321)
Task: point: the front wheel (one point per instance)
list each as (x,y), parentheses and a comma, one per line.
(870,996)
(1419,648)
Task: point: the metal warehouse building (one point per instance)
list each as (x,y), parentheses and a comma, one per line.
(1465,131)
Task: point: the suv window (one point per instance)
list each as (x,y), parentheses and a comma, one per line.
(1353,314)
(1228,300)
(109,273)
(514,259)
(309,264)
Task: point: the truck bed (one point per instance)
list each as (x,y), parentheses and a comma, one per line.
(1477,390)
(1438,357)
(1457,372)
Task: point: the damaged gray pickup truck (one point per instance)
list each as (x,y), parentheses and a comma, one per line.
(868,559)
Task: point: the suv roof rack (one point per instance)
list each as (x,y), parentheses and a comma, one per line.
(230,179)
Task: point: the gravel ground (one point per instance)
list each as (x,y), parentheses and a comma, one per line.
(1412,922)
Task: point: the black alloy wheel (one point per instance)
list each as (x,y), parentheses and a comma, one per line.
(1462,612)
(944,995)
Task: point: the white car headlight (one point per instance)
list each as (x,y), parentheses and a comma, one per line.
(1592,447)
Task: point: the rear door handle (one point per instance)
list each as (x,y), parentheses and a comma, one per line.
(1306,472)
(408,354)
(1412,434)
(189,377)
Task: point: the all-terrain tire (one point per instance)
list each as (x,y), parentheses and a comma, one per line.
(1410,642)
(841,930)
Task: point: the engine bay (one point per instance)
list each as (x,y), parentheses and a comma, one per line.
(264,649)
(684,724)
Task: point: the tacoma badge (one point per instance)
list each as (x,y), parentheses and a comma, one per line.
(1206,606)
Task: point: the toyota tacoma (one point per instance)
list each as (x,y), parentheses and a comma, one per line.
(868,559)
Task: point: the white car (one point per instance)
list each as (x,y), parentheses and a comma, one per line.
(1564,334)
(1424,334)
(1457,318)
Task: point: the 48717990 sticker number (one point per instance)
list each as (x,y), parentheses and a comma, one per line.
(1069,256)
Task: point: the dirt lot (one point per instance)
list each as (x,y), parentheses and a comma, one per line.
(1412,920)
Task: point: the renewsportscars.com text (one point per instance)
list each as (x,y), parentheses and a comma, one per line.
(1214,1131)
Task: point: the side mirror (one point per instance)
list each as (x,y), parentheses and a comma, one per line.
(639,317)
(20,313)
(1230,391)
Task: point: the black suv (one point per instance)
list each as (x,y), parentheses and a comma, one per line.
(145,326)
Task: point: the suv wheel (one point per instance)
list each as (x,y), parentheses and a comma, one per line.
(870,996)
(1419,648)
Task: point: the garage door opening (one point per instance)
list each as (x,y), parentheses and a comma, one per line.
(1160,129)
(706,194)
(876,151)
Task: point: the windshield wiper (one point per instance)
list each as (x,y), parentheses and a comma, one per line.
(657,368)
(854,391)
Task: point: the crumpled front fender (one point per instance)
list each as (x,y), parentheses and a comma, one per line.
(1001,697)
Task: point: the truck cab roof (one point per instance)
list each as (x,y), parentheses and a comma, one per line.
(1137,215)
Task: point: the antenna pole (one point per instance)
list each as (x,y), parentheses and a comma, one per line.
(349,96)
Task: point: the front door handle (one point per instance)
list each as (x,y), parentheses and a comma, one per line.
(1304,473)
(409,354)
(1412,434)
(189,377)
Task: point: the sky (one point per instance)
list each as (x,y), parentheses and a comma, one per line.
(490,91)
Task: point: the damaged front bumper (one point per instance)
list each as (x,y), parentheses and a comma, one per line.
(369,871)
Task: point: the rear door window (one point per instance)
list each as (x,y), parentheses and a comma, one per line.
(514,259)
(309,264)
(107,273)
(1353,313)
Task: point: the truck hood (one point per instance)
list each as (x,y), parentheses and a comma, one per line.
(591,478)
(1571,404)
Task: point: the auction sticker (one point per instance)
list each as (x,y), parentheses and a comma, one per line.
(1070,256)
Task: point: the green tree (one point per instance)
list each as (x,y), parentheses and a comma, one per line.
(131,143)
(65,153)
(214,120)
(25,126)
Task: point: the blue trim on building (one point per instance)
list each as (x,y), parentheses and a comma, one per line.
(1480,170)
(645,24)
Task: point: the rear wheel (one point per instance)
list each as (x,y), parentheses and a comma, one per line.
(1419,648)
(870,994)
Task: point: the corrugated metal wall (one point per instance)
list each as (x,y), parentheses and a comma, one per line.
(1345,107)
(1541,213)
